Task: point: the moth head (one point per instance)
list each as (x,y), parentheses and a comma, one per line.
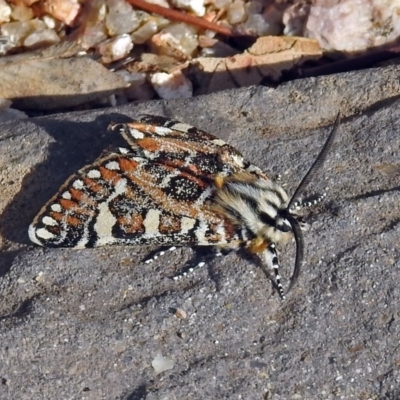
(277,229)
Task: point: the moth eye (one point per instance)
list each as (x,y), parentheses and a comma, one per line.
(284,228)
(283,225)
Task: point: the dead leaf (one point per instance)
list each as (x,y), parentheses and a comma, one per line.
(43,80)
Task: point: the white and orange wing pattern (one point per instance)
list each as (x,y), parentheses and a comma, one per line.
(175,185)
(159,192)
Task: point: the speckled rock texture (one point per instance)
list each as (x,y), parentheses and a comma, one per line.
(99,323)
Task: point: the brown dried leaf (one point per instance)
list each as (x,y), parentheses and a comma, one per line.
(268,57)
(44,81)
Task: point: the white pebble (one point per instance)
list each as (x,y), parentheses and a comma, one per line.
(5,11)
(18,31)
(197,6)
(236,12)
(161,364)
(145,32)
(45,37)
(172,86)
(177,40)
(115,48)
(121,18)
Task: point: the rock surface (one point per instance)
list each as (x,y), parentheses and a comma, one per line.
(93,324)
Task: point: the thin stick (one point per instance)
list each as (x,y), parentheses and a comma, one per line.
(182,17)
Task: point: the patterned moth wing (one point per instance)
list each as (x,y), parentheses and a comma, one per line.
(162,192)
(123,199)
(183,146)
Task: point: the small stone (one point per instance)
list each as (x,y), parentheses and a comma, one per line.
(294,18)
(254,7)
(21,13)
(5,11)
(135,78)
(180,313)
(196,6)
(145,32)
(39,277)
(161,364)
(258,25)
(222,4)
(6,44)
(50,22)
(121,18)
(116,48)
(172,86)
(94,28)
(236,12)
(353,25)
(42,38)
(18,31)
(63,10)
(177,40)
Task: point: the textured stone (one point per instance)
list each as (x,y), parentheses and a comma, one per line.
(95,320)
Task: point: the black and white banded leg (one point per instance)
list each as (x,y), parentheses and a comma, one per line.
(271,260)
(203,255)
(158,253)
(313,201)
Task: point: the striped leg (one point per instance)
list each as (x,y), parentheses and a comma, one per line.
(270,256)
(313,201)
(203,255)
(157,253)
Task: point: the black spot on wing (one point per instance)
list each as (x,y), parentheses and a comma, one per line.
(183,189)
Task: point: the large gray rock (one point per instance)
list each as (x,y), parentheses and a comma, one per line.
(88,324)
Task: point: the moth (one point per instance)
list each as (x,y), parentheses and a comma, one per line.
(176,185)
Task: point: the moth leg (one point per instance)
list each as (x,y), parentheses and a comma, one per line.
(157,253)
(202,256)
(311,202)
(270,257)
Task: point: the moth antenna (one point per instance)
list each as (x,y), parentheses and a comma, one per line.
(297,233)
(317,163)
(298,237)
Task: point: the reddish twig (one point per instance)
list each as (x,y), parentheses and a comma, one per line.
(182,17)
